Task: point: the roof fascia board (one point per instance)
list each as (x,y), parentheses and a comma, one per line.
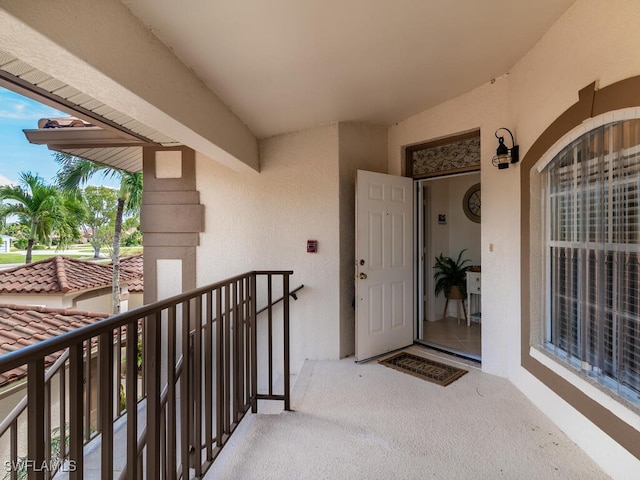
(81,137)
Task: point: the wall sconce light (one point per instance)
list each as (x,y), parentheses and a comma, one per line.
(504,155)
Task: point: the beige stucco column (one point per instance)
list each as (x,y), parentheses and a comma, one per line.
(171,220)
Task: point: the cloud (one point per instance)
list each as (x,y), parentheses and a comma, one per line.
(17,107)
(5,181)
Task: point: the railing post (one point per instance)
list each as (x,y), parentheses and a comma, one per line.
(35,415)
(131,399)
(171,395)
(285,294)
(237,371)
(228,392)
(247,341)
(197,387)
(88,381)
(152,373)
(185,377)
(63,412)
(76,409)
(270,332)
(14,449)
(219,370)
(46,420)
(105,403)
(208,375)
(254,345)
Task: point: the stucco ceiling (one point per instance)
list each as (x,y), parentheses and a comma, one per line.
(283,65)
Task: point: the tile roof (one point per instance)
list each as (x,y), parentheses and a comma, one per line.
(59,275)
(134,264)
(23,325)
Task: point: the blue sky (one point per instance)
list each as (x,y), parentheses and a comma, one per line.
(17,155)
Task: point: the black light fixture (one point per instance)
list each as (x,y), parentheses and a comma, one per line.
(505,155)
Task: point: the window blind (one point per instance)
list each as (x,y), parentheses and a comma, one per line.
(593,246)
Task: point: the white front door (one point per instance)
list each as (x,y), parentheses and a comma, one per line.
(384,263)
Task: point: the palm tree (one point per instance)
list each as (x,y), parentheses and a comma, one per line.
(75,172)
(75,213)
(42,208)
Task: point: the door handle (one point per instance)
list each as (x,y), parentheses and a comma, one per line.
(363,276)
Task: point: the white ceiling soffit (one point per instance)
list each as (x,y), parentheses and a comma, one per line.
(122,158)
(88,141)
(284,65)
(22,78)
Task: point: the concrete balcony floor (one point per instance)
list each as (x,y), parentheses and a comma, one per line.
(368,421)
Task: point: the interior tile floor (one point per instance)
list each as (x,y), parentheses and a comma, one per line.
(451,335)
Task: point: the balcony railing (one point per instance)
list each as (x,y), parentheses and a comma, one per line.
(159,388)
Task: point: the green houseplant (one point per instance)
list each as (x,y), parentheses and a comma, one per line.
(450,276)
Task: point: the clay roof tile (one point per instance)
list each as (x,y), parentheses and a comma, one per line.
(32,324)
(60,275)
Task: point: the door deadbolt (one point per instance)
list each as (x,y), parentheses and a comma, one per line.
(361,262)
(363,276)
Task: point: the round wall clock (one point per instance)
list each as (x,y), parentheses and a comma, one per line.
(471,203)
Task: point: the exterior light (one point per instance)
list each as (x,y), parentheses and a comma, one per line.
(505,155)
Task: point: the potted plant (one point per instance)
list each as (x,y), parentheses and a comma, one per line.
(450,276)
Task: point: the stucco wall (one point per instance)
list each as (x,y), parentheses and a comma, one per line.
(593,41)
(51,301)
(263,222)
(99,303)
(135,300)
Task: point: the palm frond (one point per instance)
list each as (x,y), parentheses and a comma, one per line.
(75,171)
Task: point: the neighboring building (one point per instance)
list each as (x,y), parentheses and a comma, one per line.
(234,183)
(63,282)
(134,264)
(21,326)
(5,246)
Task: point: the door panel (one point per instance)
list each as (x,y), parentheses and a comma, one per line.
(384,263)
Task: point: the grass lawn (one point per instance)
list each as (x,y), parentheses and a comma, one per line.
(19,257)
(83,251)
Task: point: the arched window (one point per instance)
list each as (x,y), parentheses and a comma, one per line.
(590,199)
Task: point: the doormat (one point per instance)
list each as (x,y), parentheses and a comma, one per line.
(424,368)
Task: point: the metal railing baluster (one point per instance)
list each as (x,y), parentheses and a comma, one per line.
(287,378)
(219,370)
(208,375)
(76,409)
(35,414)
(171,394)
(152,367)
(105,352)
(195,365)
(131,400)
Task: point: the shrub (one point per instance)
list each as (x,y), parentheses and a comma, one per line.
(133,240)
(20,243)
